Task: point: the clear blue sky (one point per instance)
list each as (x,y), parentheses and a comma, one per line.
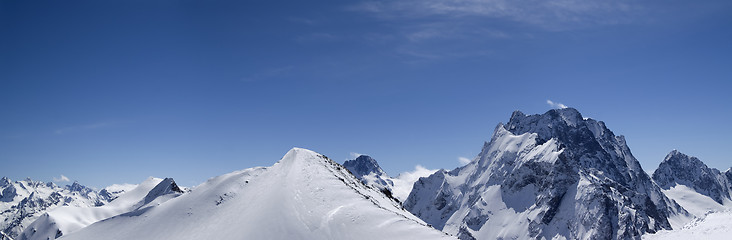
(114,91)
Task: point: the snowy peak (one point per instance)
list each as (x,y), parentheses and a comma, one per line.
(681,169)
(551,175)
(369,172)
(24,201)
(366,169)
(127,198)
(4,182)
(364,165)
(165,187)
(304,195)
(297,156)
(546,125)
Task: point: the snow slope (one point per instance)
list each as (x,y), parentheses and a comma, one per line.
(695,203)
(22,202)
(64,220)
(303,196)
(717,225)
(551,175)
(681,169)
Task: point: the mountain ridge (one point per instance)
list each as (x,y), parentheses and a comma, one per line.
(304,195)
(581,181)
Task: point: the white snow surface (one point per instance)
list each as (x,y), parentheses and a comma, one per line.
(695,203)
(716,225)
(26,200)
(67,219)
(303,196)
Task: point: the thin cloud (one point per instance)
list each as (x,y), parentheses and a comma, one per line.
(555,104)
(355,155)
(433,30)
(85,127)
(463,160)
(549,15)
(61,179)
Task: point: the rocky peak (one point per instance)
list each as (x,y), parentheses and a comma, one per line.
(544,167)
(165,187)
(5,182)
(9,192)
(679,168)
(364,165)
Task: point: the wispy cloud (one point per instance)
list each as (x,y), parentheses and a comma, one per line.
(405,181)
(549,15)
(432,30)
(555,104)
(355,155)
(85,127)
(463,160)
(61,179)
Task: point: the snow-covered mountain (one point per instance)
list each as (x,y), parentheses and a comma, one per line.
(691,183)
(303,196)
(550,175)
(22,202)
(715,225)
(67,219)
(370,173)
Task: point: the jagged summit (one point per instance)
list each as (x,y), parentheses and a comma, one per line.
(364,165)
(4,182)
(544,123)
(65,220)
(24,201)
(678,168)
(165,187)
(555,174)
(370,173)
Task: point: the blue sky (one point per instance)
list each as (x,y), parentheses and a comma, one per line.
(110,92)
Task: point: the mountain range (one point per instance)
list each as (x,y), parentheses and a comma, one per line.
(556,175)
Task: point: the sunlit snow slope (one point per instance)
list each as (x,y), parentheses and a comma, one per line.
(64,220)
(22,202)
(303,196)
(717,225)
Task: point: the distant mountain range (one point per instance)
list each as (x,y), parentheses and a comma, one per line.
(555,175)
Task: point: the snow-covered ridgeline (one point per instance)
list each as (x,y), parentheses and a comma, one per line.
(67,219)
(303,196)
(370,173)
(22,202)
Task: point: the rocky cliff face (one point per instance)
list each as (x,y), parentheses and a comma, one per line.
(369,172)
(554,174)
(678,168)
